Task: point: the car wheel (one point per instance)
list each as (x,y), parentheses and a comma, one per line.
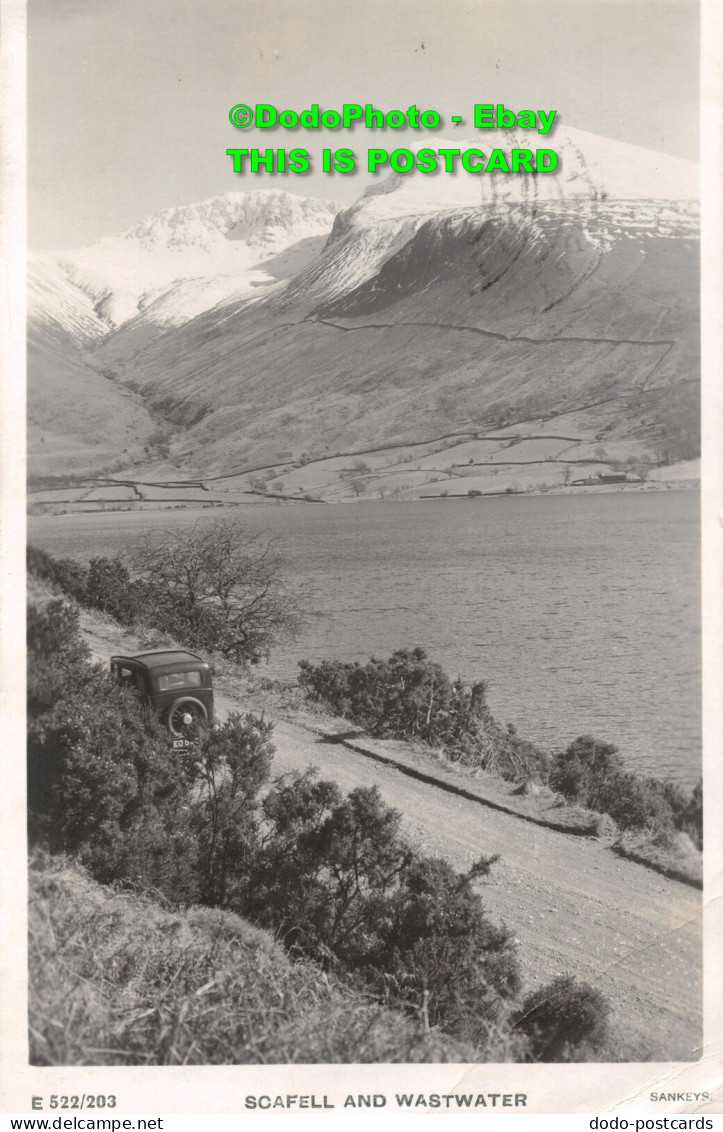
(185,717)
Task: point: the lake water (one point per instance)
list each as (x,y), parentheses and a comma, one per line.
(581,612)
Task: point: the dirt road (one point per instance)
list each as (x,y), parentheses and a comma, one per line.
(574,907)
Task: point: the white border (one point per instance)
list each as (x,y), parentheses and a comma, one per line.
(584,1089)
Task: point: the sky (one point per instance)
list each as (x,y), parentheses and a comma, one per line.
(128,100)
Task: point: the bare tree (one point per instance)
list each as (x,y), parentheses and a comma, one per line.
(218,585)
(358,485)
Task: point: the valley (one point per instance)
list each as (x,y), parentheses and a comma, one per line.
(451,467)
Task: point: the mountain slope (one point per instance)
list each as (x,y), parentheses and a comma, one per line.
(475,316)
(77,418)
(230,243)
(160,273)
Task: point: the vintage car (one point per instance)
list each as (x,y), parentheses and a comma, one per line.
(175,683)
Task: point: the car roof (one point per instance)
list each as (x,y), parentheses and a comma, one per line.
(157,658)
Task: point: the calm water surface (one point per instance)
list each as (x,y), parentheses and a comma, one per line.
(581,612)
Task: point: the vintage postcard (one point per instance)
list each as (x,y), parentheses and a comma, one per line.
(352,420)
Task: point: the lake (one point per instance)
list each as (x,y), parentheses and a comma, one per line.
(580,611)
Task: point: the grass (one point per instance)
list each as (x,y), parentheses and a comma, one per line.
(116,979)
(678,859)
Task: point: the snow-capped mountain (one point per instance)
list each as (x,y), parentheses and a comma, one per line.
(593,171)
(590,168)
(184,260)
(260,323)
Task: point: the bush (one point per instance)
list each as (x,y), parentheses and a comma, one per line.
(216,586)
(444,957)
(687,810)
(411,697)
(104,784)
(103,781)
(231,764)
(335,878)
(331,875)
(64,574)
(591,773)
(57,656)
(564,1021)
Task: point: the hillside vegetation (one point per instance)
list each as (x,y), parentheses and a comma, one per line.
(121,979)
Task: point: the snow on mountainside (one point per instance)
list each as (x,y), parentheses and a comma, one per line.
(591,168)
(234,243)
(359,250)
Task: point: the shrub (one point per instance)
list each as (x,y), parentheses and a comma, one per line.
(687,810)
(331,875)
(443,956)
(634,803)
(325,868)
(103,782)
(591,773)
(409,696)
(109,588)
(217,586)
(64,574)
(53,631)
(564,1021)
(231,765)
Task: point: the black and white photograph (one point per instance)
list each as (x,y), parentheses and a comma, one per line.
(365,717)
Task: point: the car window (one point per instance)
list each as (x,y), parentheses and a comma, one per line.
(173,680)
